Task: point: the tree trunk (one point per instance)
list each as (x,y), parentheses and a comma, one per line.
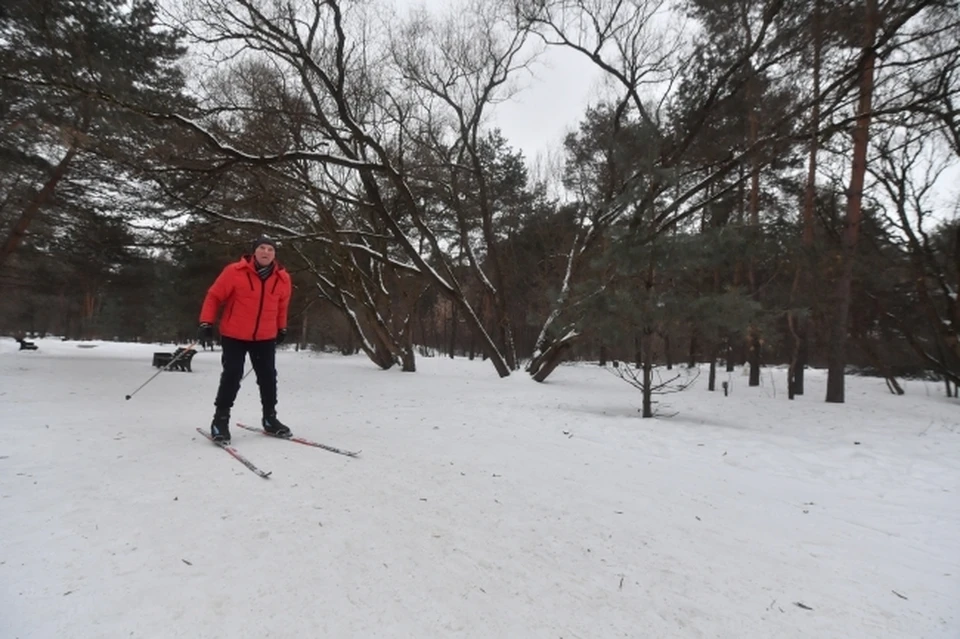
(552,358)
(408,357)
(507,343)
(302,344)
(603,355)
(692,361)
(381,355)
(647,377)
(837,356)
(666,351)
(712,379)
(454,321)
(754,337)
(802,357)
(500,303)
(802,325)
(794,355)
(88,314)
(19,229)
(754,357)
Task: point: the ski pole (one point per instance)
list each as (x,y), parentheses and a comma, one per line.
(165,368)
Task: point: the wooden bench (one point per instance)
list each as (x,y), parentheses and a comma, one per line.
(27,346)
(161,360)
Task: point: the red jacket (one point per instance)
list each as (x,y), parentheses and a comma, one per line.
(255,309)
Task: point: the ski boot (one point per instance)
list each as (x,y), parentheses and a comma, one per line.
(220,427)
(273,426)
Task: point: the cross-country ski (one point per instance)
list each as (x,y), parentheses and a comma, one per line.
(301,440)
(236,455)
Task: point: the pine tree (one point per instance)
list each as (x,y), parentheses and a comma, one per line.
(68,68)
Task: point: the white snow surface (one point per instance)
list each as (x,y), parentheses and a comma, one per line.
(479,507)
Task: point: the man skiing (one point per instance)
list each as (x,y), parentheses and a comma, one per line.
(254,293)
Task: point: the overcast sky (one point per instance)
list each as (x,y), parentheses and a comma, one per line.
(564,83)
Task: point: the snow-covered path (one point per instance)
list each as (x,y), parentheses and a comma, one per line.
(480,507)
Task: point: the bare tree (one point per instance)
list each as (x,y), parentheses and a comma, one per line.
(647,379)
(457,67)
(908,169)
(329,52)
(632,42)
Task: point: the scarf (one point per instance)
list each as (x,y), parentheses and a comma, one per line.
(264,271)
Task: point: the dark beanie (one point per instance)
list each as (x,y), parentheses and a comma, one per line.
(263,240)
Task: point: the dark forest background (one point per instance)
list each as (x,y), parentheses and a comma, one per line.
(763,182)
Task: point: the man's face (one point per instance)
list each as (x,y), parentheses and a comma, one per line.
(264,254)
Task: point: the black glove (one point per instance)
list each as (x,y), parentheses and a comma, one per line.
(205,332)
(281,336)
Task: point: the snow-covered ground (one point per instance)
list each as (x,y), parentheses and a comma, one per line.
(479,507)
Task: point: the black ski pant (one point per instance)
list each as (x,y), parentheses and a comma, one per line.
(263,357)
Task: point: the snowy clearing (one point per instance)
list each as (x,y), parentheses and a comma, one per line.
(479,507)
